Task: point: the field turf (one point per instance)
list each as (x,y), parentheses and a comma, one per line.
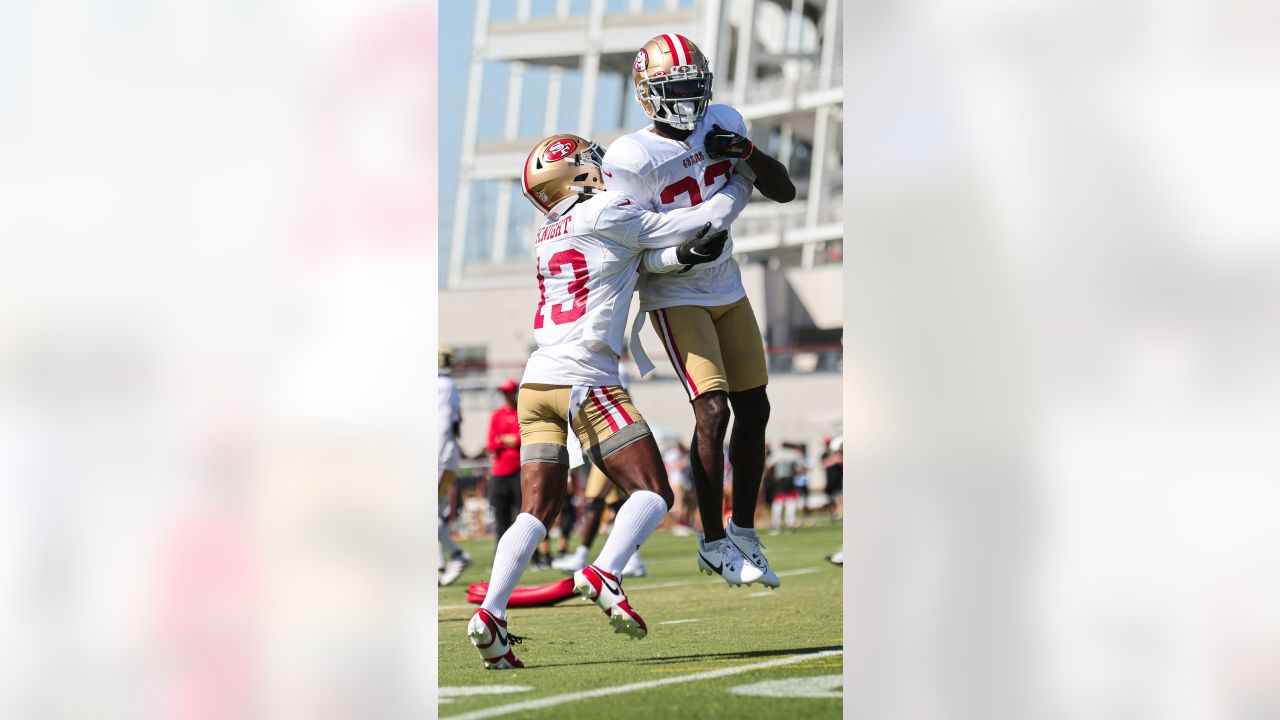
(570,648)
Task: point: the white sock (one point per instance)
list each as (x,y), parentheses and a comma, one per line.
(791,513)
(776,512)
(636,521)
(514,550)
(581,553)
(447,546)
(741,531)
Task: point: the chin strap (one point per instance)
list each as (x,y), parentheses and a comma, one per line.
(557,212)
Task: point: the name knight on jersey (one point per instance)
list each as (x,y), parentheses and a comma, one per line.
(694,159)
(550,232)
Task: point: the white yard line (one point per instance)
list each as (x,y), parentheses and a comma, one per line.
(553,700)
(798,571)
(677,622)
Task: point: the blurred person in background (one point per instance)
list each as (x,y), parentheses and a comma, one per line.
(542,559)
(727,505)
(453,560)
(764,499)
(599,494)
(802,484)
(504,459)
(783,467)
(833,464)
(676,460)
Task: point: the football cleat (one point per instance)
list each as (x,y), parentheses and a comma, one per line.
(490,636)
(570,563)
(836,558)
(748,543)
(635,566)
(722,558)
(592,583)
(456,565)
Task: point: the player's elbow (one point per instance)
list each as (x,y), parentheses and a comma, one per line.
(785,192)
(779,190)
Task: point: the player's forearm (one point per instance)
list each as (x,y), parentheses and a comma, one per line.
(772,179)
(675,226)
(660,261)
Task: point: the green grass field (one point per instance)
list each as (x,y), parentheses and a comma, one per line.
(570,648)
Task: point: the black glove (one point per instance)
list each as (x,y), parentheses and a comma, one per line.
(721,143)
(701,248)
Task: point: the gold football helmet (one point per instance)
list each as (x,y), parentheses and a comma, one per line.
(673,81)
(561,168)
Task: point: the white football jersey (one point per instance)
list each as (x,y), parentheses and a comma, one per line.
(588,262)
(665,174)
(448,412)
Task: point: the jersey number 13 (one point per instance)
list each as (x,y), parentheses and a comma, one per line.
(574,260)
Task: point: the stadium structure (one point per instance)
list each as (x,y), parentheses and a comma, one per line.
(779,63)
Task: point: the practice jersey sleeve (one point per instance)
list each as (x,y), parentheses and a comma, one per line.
(646,230)
(625,181)
(728,118)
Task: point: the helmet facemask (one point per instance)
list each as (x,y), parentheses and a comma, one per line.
(679,100)
(589,160)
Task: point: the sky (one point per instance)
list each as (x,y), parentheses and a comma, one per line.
(456,28)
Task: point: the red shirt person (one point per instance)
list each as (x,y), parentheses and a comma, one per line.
(504,452)
(504,433)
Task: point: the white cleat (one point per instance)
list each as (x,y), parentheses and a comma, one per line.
(570,563)
(748,543)
(592,583)
(457,564)
(490,636)
(635,566)
(722,558)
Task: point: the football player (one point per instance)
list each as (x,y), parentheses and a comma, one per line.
(453,559)
(588,252)
(683,159)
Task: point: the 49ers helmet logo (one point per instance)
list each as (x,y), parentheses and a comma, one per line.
(559,149)
(642,61)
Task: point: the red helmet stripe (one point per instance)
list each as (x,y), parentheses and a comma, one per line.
(671,48)
(688,56)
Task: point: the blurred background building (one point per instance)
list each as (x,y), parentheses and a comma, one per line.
(516,71)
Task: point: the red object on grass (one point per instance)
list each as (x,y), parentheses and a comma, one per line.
(535,596)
